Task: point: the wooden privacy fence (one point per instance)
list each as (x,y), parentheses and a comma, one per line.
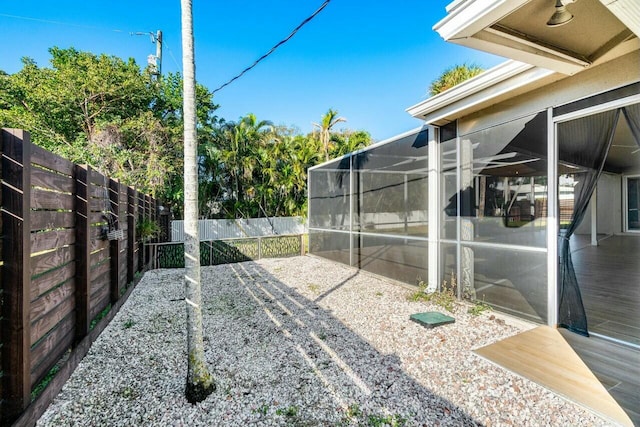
(59,272)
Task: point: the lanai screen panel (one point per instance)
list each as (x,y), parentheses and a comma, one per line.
(390,209)
(369,209)
(493,219)
(329,210)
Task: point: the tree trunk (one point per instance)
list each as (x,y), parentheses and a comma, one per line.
(199,381)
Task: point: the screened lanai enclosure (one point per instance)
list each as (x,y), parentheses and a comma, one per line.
(537,216)
(369,209)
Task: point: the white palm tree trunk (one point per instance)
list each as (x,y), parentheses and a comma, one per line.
(199,381)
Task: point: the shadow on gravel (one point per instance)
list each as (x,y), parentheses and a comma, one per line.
(335,287)
(299,365)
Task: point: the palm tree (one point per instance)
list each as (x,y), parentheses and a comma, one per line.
(200,383)
(453,76)
(329,120)
(240,145)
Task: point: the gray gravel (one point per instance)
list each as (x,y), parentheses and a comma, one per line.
(301,342)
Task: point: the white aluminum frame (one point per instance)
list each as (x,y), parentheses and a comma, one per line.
(625,204)
(552,202)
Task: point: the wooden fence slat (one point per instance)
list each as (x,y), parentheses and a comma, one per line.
(44,324)
(50,260)
(52,239)
(38,407)
(99,271)
(46,303)
(41,199)
(52,279)
(44,220)
(98,193)
(99,256)
(51,348)
(97,233)
(97,218)
(51,180)
(45,158)
(16,280)
(100,299)
(97,178)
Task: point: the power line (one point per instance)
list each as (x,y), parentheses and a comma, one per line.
(178,66)
(48,21)
(280,43)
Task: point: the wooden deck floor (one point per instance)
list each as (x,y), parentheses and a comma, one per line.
(616,366)
(542,355)
(609,278)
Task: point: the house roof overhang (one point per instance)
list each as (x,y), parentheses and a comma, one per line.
(517,29)
(494,85)
(539,55)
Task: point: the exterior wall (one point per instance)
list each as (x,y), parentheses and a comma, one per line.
(618,72)
(609,200)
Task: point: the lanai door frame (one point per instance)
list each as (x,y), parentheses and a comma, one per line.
(553,213)
(625,203)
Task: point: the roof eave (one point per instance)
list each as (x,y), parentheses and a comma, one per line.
(508,76)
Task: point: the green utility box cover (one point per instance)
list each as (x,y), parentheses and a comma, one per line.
(431,319)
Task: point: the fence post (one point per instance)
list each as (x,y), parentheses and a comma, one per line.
(259,247)
(140,217)
(83,250)
(114,245)
(302,245)
(131,234)
(16,275)
(147,215)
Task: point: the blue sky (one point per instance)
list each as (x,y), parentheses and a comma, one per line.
(368,60)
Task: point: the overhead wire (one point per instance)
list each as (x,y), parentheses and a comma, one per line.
(277,45)
(243,72)
(164,42)
(92,27)
(48,21)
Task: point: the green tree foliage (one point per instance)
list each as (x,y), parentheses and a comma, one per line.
(324,128)
(106,112)
(453,76)
(250,168)
(109,113)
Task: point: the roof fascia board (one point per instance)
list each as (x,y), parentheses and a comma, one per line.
(485,80)
(627,11)
(455,105)
(469,17)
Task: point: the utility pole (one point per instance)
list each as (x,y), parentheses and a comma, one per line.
(159,52)
(154,60)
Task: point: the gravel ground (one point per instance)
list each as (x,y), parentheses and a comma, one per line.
(301,342)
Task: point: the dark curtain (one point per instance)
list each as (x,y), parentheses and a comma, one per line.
(584,143)
(632,114)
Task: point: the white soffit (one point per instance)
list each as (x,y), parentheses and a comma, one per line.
(467,17)
(471,94)
(627,11)
(478,24)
